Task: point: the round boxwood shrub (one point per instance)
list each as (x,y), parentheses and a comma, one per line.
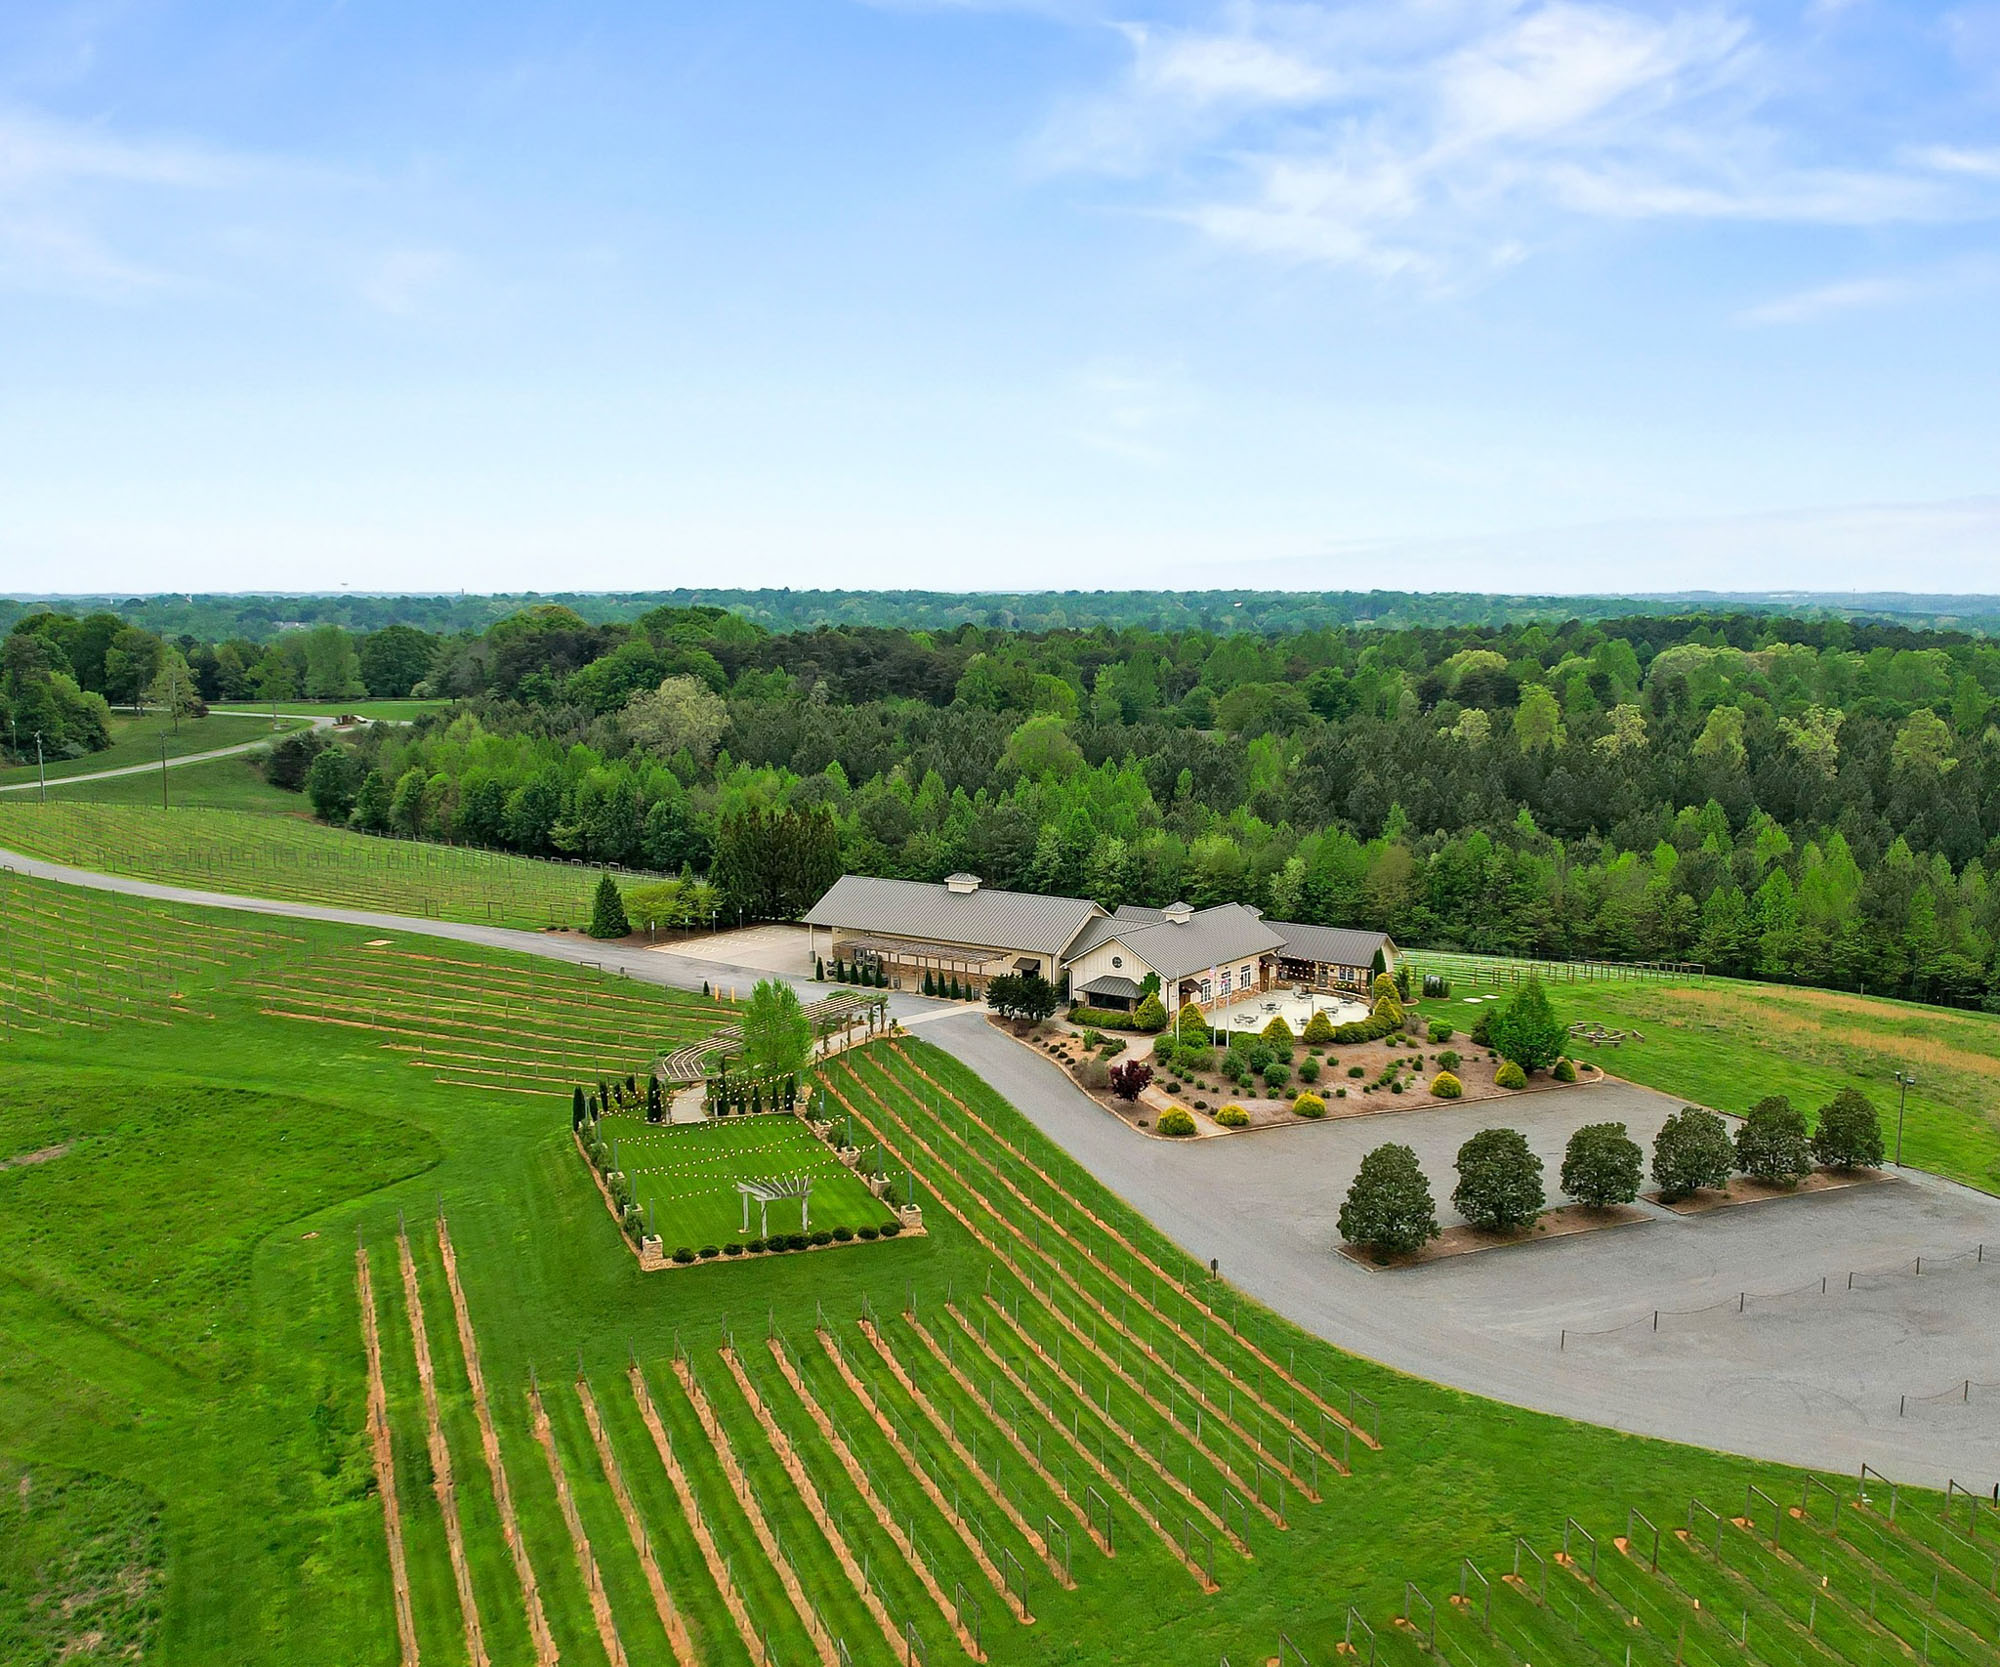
(1340,1093)
(684,1255)
(756,1246)
(1439,1031)
(1449,1060)
(1309,1070)
(1309,1105)
(1357,1070)
(891,1228)
(1564,1071)
(1175,1122)
(1510,1075)
(732,1249)
(796,1241)
(843,1234)
(869,1233)
(1276,1075)
(710,1251)
(1232,1116)
(822,1236)
(1446,1086)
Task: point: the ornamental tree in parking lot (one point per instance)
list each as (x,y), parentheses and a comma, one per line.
(1848,1134)
(1602,1165)
(1772,1146)
(1389,1207)
(1692,1150)
(1499,1180)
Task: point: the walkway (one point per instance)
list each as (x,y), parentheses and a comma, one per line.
(1806,1381)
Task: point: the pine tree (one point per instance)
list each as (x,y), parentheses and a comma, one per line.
(607,911)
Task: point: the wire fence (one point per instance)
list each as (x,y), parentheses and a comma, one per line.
(1465,968)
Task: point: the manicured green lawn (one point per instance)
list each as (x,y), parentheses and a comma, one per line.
(686,1176)
(137,741)
(178,1314)
(1726,1043)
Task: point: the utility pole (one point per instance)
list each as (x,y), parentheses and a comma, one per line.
(163,772)
(41,769)
(1904,1083)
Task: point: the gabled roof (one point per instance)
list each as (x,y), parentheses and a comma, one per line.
(1335,946)
(918,909)
(1209,938)
(1111,985)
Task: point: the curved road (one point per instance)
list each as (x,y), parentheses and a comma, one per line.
(1804,1378)
(153,768)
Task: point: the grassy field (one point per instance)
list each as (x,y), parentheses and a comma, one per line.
(1726,1044)
(271,856)
(233,783)
(137,741)
(182,1331)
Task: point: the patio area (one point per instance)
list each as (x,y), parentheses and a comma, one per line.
(1256,1010)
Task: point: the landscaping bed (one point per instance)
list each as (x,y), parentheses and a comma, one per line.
(1743,1190)
(1564,1221)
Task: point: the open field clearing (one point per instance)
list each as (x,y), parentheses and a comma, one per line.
(362,706)
(232,783)
(137,741)
(265,856)
(1041,1433)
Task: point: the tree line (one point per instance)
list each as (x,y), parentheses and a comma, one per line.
(1809,799)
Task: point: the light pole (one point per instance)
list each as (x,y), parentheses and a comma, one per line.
(1904,1083)
(41,769)
(163,772)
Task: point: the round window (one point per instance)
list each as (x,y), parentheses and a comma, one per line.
(1117,960)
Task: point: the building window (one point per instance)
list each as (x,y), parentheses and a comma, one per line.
(1117,960)
(1225,981)
(1246,978)
(1204,989)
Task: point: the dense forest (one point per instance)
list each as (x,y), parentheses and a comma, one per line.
(256,620)
(1798,798)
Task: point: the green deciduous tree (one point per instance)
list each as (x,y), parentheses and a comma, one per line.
(1848,1132)
(1692,1150)
(1602,1165)
(1771,1146)
(1389,1207)
(1499,1180)
(777,1035)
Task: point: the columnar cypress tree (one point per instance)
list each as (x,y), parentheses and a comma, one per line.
(576,1108)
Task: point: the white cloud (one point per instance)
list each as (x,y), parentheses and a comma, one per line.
(37,152)
(400,281)
(1442,140)
(1132,410)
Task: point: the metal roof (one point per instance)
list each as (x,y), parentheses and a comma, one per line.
(1334,946)
(1209,938)
(1111,985)
(1017,920)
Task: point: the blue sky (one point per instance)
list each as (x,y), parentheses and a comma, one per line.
(1445,294)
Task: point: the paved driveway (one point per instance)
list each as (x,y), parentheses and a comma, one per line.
(1807,1378)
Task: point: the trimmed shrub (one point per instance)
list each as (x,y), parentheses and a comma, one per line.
(843,1234)
(1389,1207)
(684,1255)
(1439,1031)
(1601,1165)
(1499,1180)
(1357,1070)
(1232,1116)
(1848,1132)
(1319,1030)
(1564,1071)
(710,1251)
(1340,1093)
(822,1236)
(1449,1060)
(1309,1069)
(1446,1086)
(868,1233)
(1279,1035)
(1436,986)
(1191,1024)
(1309,1105)
(757,1247)
(1383,988)
(891,1228)
(732,1249)
(1174,1121)
(1772,1146)
(796,1241)
(1276,1075)
(1150,1015)
(1692,1150)
(1510,1075)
